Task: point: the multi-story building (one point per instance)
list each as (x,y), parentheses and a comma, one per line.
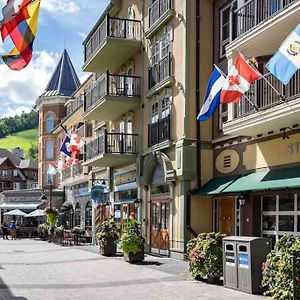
(142,54)
(52,109)
(255,189)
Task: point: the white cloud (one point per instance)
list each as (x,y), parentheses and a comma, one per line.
(19,89)
(10,112)
(60,6)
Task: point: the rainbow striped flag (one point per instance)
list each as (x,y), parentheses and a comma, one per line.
(23,36)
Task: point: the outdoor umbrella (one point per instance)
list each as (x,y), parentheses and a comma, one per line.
(36,213)
(15,212)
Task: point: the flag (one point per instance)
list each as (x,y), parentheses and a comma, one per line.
(239,79)
(286,61)
(52,169)
(65,146)
(212,95)
(76,140)
(23,37)
(14,12)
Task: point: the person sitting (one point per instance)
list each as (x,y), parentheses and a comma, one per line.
(13,230)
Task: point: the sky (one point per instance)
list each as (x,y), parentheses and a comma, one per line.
(61,22)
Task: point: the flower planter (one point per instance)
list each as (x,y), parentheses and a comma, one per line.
(213,279)
(109,249)
(134,257)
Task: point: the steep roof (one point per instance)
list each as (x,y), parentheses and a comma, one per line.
(28,164)
(64,80)
(13,157)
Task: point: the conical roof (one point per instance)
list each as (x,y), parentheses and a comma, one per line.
(64,80)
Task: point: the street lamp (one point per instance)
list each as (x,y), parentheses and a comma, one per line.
(50,187)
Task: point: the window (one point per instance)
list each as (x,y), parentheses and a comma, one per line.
(160,109)
(88,215)
(77,215)
(49,149)
(129,127)
(223,114)
(122,127)
(49,124)
(280,215)
(224,29)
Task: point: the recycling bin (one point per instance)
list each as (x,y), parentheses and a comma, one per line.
(242,262)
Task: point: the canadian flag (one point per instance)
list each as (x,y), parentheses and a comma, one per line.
(239,79)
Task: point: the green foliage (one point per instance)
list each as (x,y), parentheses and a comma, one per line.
(18,123)
(205,254)
(108,230)
(43,230)
(278,269)
(51,214)
(25,140)
(33,151)
(132,240)
(59,231)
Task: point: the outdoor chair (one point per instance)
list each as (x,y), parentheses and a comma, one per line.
(68,238)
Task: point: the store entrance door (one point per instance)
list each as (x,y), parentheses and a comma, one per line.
(160,216)
(226,215)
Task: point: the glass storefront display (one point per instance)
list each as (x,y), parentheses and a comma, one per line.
(269,203)
(269,223)
(286,202)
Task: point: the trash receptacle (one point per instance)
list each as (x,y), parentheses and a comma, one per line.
(249,253)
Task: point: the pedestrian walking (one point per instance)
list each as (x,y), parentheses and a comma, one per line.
(13,230)
(4,228)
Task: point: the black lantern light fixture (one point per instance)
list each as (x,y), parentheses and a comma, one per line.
(241,199)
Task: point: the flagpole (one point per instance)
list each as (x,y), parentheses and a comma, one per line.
(239,90)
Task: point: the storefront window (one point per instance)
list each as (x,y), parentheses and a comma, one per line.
(286,223)
(269,223)
(88,215)
(286,202)
(269,203)
(77,215)
(298,200)
(160,189)
(126,195)
(298,224)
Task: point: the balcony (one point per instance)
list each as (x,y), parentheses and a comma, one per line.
(74,174)
(111,96)
(113,42)
(160,75)
(159,131)
(274,113)
(160,13)
(258,22)
(111,150)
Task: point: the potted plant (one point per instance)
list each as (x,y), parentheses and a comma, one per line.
(205,256)
(132,242)
(59,234)
(43,231)
(107,236)
(281,271)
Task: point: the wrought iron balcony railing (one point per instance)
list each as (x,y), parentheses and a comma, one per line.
(114,28)
(71,171)
(112,85)
(262,94)
(112,143)
(159,71)
(159,131)
(254,12)
(157,9)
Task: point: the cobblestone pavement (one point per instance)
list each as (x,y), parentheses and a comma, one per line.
(37,270)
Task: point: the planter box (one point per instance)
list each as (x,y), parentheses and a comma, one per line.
(134,257)
(110,249)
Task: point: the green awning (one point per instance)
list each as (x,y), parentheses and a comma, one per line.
(215,186)
(266,180)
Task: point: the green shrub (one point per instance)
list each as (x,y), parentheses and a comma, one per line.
(106,231)
(51,214)
(132,240)
(278,269)
(205,255)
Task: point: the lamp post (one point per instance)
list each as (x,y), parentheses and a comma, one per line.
(50,187)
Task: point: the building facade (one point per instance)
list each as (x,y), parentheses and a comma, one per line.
(255,185)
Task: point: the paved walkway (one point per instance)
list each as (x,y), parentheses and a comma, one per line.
(37,270)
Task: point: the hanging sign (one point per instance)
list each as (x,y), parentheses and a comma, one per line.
(98,193)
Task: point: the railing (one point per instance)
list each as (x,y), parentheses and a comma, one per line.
(159,131)
(112,143)
(112,85)
(262,94)
(74,106)
(81,131)
(71,171)
(115,28)
(160,71)
(157,9)
(254,12)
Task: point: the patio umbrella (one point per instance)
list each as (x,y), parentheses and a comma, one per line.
(36,213)
(15,212)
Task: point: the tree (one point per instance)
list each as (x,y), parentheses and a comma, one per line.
(33,151)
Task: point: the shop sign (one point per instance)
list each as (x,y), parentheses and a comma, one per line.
(84,191)
(98,193)
(125,178)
